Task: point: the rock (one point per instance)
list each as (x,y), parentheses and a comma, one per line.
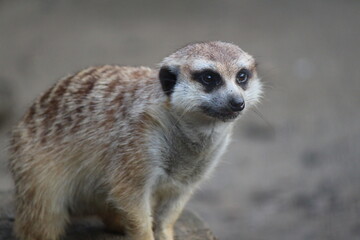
(188,227)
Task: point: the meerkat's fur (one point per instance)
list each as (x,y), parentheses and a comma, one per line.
(128,144)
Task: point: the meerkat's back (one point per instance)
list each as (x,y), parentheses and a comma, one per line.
(84,102)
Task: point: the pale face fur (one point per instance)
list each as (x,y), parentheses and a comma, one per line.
(225,59)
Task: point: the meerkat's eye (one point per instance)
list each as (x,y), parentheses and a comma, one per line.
(209,78)
(242,76)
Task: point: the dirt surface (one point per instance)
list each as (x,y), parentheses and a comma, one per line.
(293,173)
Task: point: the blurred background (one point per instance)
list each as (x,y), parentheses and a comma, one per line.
(293,168)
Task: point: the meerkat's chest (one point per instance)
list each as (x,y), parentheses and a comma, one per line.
(186,158)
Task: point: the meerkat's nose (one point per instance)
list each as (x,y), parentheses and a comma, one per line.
(236,104)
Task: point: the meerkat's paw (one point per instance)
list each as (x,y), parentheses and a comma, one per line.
(166,234)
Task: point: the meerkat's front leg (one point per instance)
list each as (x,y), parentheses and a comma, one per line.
(168,205)
(131,208)
(133,219)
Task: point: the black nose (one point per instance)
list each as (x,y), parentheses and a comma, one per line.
(237,104)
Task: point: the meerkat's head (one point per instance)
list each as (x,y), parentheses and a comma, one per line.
(217,80)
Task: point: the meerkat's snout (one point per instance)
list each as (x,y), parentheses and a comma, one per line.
(224,107)
(236,104)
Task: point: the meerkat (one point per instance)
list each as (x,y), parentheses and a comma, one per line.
(128,144)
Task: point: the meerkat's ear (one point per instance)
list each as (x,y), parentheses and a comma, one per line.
(168,78)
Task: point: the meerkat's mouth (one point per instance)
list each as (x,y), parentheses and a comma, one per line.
(221,114)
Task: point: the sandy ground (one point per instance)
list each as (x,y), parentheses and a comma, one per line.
(293,173)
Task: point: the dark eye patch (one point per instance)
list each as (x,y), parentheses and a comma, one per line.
(210,79)
(242,77)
